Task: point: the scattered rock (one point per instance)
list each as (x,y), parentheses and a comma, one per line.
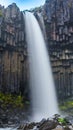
(67,128)
(48,124)
(12,117)
(59,127)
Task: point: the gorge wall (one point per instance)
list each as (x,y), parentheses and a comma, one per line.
(58,18)
(13,51)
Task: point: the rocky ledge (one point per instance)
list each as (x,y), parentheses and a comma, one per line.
(55,123)
(12,117)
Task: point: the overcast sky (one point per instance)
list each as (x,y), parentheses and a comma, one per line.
(23,4)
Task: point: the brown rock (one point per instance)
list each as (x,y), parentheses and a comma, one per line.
(48,125)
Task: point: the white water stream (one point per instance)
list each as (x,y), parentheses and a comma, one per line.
(43,95)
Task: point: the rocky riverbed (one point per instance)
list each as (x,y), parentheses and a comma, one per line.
(55,123)
(12,117)
(17,119)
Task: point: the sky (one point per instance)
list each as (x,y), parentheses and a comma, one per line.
(23,4)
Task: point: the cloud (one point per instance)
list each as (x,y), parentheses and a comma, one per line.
(5,2)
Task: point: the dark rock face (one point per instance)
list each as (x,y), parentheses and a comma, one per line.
(12,26)
(58,20)
(12,117)
(13,51)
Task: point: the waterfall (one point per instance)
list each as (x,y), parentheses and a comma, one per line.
(42,25)
(43,95)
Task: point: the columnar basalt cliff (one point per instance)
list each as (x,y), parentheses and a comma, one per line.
(13,50)
(58,17)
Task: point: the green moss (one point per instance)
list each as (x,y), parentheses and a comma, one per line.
(66,105)
(19,101)
(62,121)
(1,13)
(62,107)
(11,100)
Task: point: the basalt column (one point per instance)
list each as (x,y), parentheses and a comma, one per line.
(58,20)
(13,51)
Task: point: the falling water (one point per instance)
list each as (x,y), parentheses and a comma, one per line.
(44,101)
(42,25)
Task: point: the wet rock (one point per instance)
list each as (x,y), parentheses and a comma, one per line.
(48,125)
(31,126)
(12,117)
(45,125)
(4,119)
(22,127)
(59,127)
(69,119)
(71,127)
(67,128)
